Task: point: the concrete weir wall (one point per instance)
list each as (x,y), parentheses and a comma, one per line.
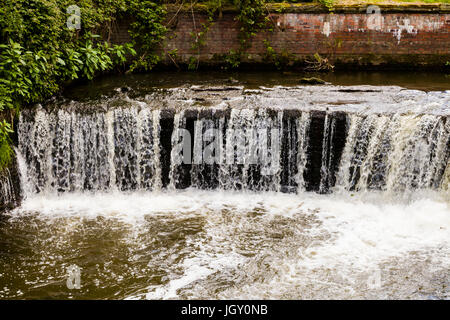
(408,34)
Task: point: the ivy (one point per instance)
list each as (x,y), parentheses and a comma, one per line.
(233,59)
(252,15)
(329,4)
(199,40)
(279,60)
(147,31)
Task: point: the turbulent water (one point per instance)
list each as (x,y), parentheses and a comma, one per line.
(194,192)
(257,140)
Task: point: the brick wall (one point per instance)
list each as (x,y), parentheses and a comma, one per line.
(412,35)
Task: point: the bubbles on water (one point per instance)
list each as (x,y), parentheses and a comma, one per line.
(207,244)
(97,198)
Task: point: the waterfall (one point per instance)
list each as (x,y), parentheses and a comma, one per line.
(63,152)
(222,192)
(9,186)
(446,179)
(139,147)
(400,153)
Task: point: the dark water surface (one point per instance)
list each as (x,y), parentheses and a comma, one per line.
(140,83)
(214,245)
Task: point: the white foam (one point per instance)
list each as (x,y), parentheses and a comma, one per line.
(372,231)
(364,231)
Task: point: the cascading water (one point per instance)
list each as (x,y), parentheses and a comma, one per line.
(206,192)
(8,195)
(118,149)
(250,149)
(396,154)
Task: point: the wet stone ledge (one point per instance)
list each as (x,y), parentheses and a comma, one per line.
(317,8)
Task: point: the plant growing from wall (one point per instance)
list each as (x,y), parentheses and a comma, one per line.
(329,4)
(252,17)
(147,31)
(232,59)
(279,60)
(199,38)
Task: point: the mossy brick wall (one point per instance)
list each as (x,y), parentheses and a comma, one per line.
(410,34)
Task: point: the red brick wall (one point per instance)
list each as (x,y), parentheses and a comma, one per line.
(423,38)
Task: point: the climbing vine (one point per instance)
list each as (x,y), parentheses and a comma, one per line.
(279,60)
(199,38)
(147,31)
(253,16)
(329,4)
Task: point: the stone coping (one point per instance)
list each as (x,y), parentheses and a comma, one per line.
(401,7)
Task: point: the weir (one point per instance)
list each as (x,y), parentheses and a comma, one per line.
(273,169)
(200,192)
(235,139)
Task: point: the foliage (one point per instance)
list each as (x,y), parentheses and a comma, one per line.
(193,63)
(39,53)
(200,37)
(252,17)
(233,59)
(319,64)
(148,31)
(199,40)
(101,57)
(24,75)
(5,148)
(280,60)
(328,3)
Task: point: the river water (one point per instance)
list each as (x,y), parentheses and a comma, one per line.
(353,203)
